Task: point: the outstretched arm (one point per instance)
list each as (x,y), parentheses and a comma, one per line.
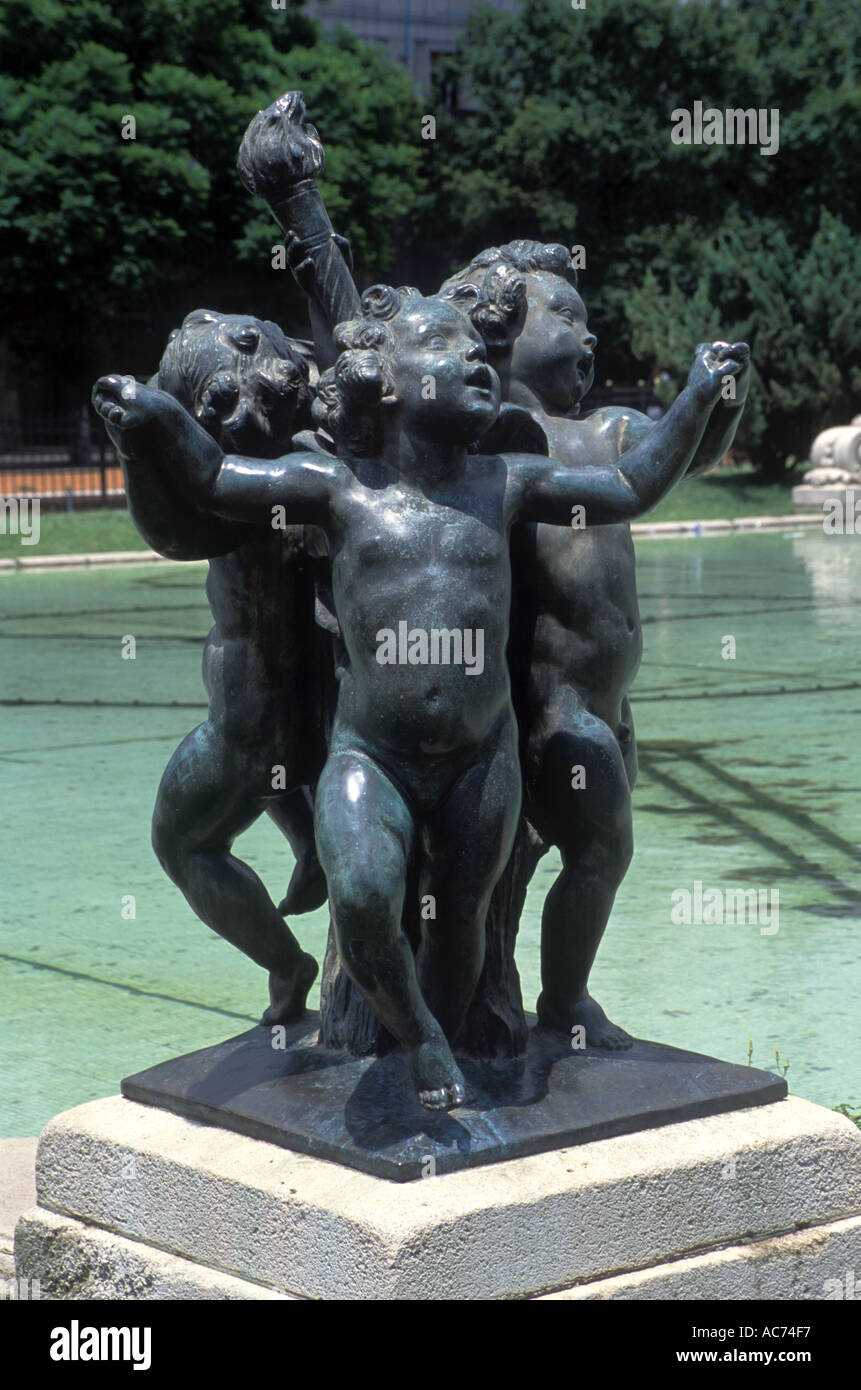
(631,425)
(163,515)
(155,425)
(643,474)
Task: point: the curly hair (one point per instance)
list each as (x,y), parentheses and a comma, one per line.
(523,256)
(349,394)
(494,300)
(198,352)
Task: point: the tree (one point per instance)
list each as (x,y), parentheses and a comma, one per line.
(571,141)
(799,312)
(120,209)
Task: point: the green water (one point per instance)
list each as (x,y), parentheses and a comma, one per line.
(749,777)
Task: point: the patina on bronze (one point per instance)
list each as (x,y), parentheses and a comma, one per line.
(447,439)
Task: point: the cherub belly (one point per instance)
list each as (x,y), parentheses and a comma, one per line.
(423,710)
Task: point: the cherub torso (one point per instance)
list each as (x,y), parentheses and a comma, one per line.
(432,563)
(576,589)
(258,655)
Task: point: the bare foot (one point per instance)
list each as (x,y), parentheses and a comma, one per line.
(436,1075)
(307,888)
(587,1012)
(288,996)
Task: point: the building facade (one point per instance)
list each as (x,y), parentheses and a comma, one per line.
(415,32)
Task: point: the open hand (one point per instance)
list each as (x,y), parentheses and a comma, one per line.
(121,401)
(124,404)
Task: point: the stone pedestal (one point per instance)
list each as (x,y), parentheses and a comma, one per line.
(817,496)
(136,1202)
(836,473)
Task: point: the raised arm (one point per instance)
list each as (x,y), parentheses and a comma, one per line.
(720,431)
(642,475)
(154,425)
(280,159)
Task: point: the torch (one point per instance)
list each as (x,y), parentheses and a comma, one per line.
(280,159)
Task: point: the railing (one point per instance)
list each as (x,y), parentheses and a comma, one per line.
(70,463)
(640,398)
(66,463)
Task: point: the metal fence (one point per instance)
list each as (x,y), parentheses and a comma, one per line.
(70,462)
(66,463)
(640,398)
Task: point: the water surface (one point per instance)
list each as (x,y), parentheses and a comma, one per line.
(750,771)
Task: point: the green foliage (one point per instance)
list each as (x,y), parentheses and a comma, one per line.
(733,490)
(798,307)
(104,238)
(571,141)
(369,120)
(84,532)
(781,1067)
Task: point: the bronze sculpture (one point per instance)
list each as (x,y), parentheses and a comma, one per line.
(577,638)
(419,761)
(446,425)
(263,741)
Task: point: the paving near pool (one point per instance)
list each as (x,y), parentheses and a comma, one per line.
(749,776)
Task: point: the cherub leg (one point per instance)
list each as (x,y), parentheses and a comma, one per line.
(580,801)
(365,834)
(206,798)
(467,843)
(293,813)
(628,744)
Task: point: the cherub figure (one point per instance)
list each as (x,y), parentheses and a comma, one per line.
(577,639)
(423,760)
(261,745)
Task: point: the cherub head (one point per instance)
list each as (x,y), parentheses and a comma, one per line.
(417,360)
(245,382)
(553,355)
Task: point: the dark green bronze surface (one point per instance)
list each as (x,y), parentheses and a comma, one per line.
(363,1112)
(448,688)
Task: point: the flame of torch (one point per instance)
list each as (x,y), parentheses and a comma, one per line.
(280,149)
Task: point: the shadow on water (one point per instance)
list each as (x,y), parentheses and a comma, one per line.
(650,760)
